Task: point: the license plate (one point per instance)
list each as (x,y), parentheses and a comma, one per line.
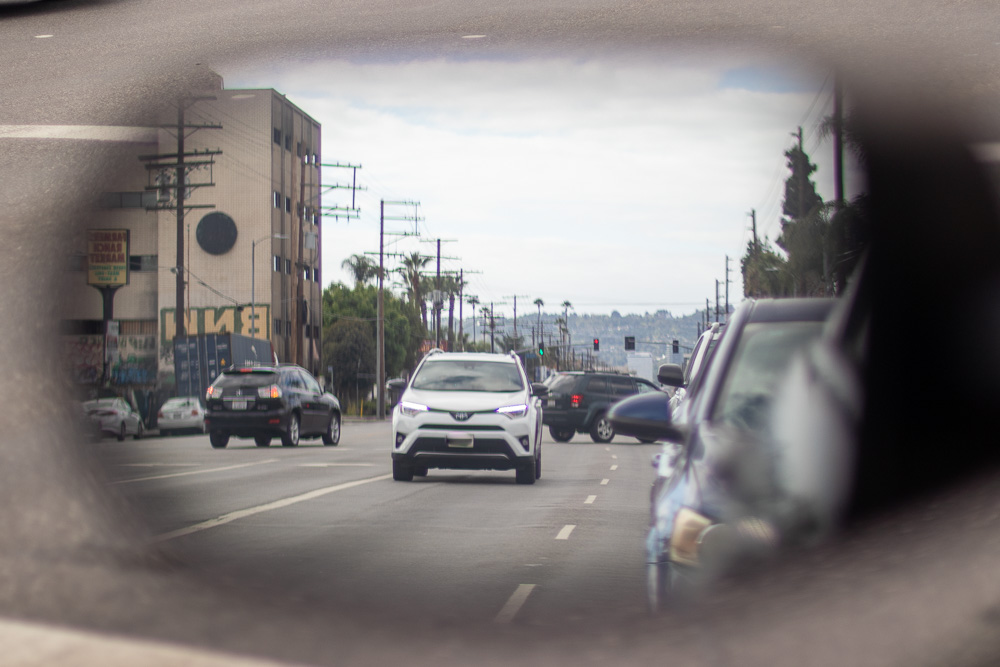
(463,440)
(238,405)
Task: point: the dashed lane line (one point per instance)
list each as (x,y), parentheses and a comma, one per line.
(604,482)
(514,603)
(565,532)
(266,507)
(614,467)
(590,500)
(194,472)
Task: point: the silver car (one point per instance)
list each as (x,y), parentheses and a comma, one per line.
(184,413)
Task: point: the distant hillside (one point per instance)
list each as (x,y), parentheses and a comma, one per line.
(653,333)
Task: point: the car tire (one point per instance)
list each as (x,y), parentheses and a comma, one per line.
(121,432)
(561,434)
(218,439)
(332,435)
(290,438)
(401,472)
(525,472)
(646,441)
(601,430)
(138,431)
(165,433)
(262,440)
(420,471)
(538,462)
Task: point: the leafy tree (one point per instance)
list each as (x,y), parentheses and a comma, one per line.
(804,227)
(765,272)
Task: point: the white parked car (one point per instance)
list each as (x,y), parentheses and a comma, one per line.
(468,411)
(115,417)
(184,413)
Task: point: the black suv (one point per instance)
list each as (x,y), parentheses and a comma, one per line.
(578,401)
(263,402)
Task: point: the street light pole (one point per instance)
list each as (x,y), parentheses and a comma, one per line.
(253,294)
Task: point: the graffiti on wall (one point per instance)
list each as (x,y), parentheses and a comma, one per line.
(133,364)
(229,319)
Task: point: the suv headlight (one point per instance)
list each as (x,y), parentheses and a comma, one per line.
(513,411)
(409,409)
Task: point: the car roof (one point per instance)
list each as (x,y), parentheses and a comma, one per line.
(790,310)
(470,356)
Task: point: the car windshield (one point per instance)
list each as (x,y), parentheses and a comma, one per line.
(174,403)
(763,355)
(468,375)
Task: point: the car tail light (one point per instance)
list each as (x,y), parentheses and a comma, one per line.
(575,400)
(270,391)
(194,413)
(213,392)
(160,414)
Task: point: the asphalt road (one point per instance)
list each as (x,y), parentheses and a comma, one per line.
(419,573)
(329,525)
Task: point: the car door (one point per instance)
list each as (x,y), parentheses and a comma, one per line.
(313,404)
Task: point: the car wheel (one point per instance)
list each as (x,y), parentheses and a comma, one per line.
(121,432)
(420,471)
(138,431)
(646,441)
(262,440)
(218,439)
(290,438)
(332,435)
(525,472)
(561,434)
(401,472)
(165,433)
(602,430)
(538,462)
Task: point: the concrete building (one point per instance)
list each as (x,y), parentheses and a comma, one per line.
(250,233)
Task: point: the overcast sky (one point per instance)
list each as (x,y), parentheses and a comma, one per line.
(613,185)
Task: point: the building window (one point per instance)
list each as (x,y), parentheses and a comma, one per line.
(288,327)
(277,327)
(288,142)
(142,263)
(277,136)
(277,264)
(316,274)
(288,266)
(306,273)
(288,204)
(277,199)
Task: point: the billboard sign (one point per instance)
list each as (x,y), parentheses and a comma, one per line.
(107,257)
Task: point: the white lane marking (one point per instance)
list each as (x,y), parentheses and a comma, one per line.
(43,36)
(608,449)
(590,500)
(336,465)
(145,135)
(194,472)
(604,482)
(614,467)
(159,465)
(514,603)
(614,456)
(266,507)
(566,530)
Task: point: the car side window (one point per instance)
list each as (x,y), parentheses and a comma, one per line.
(622,386)
(310,383)
(291,380)
(644,388)
(596,385)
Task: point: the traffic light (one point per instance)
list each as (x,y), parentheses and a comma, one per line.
(676,346)
(541,349)
(629,342)
(597,344)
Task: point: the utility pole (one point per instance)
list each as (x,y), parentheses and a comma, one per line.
(171,174)
(727,288)
(347,212)
(514,296)
(717,300)
(838,143)
(380,316)
(473,301)
(438,300)
(753,224)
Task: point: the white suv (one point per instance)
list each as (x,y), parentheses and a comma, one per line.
(468,411)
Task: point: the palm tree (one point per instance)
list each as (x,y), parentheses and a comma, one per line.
(362,267)
(412,264)
(569,340)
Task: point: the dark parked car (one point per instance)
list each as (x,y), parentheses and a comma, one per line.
(730,496)
(578,401)
(264,402)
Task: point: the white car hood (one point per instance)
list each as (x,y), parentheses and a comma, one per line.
(464,401)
